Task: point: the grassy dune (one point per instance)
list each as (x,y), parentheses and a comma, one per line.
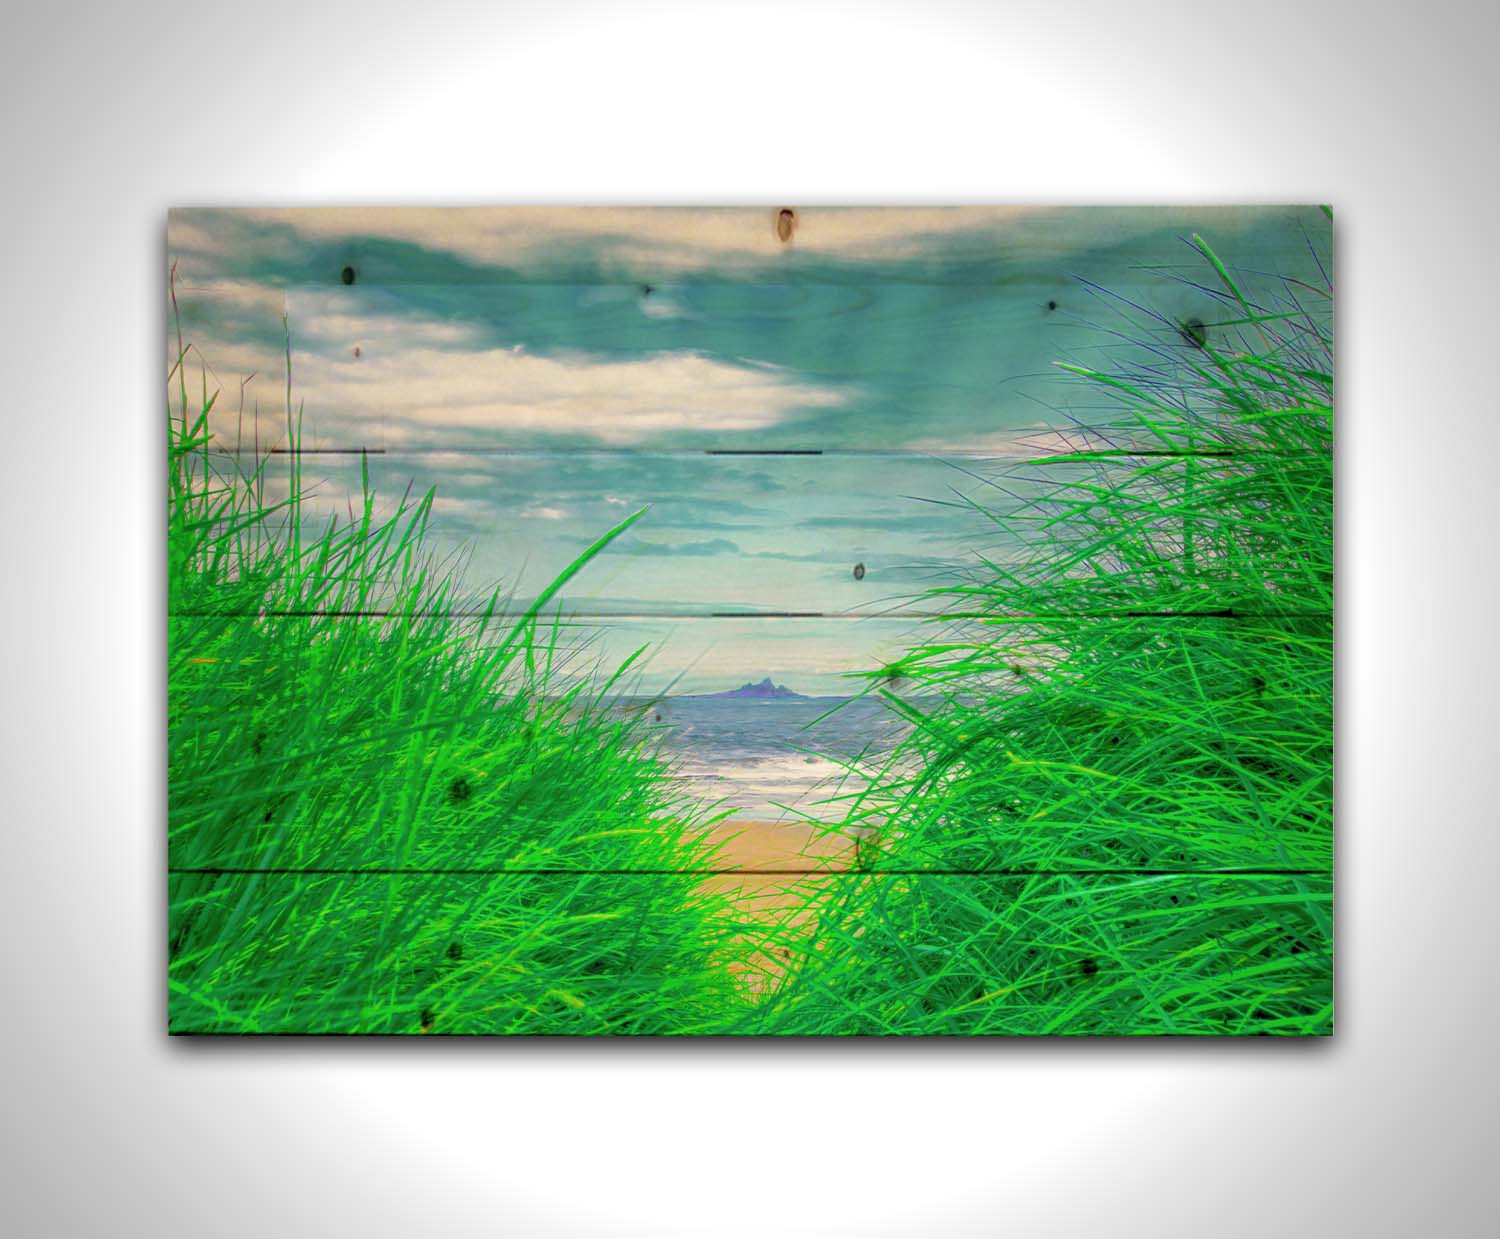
(386,818)
(1121,816)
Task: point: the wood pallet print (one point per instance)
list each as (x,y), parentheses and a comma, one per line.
(766,621)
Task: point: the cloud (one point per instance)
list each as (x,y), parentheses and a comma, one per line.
(907,523)
(326,319)
(424,395)
(479,245)
(471,511)
(705,546)
(619,239)
(1026,443)
(414,381)
(658,307)
(790,557)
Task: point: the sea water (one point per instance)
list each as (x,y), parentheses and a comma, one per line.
(775,758)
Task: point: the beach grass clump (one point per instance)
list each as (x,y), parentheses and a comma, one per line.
(392,813)
(1113,814)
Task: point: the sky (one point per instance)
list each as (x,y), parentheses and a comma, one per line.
(550,372)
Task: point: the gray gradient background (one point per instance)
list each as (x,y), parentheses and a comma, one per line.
(113,113)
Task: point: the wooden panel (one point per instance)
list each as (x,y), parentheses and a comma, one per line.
(830,534)
(963,246)
(743,770)
(876,330)
(951,954)
(1211,752)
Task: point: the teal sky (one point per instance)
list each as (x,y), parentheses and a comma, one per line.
(550,372)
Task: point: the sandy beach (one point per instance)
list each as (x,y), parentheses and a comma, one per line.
(760,846)
(772,869)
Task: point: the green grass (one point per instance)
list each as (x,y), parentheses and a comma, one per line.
(1114,811)
(330,717)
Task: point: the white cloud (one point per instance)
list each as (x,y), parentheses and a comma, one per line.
(334,318)
(631,242)
(1024,442)
(422,395)
(669,238)
(422,382)
(232,297)
(469,511)
(661,308)
(471,481)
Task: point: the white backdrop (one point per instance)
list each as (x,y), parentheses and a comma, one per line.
(116,112)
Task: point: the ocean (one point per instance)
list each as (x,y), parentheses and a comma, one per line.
(774,758)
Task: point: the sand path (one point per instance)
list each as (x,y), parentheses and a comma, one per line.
(774,868)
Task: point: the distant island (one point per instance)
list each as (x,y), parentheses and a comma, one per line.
(764,689)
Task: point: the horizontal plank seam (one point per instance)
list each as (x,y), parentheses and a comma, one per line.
(231,871)
(1039,457)
(241,613)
